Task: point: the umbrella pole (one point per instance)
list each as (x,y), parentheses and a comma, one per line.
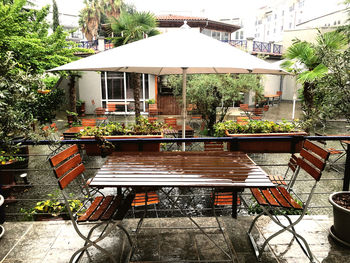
(184,111)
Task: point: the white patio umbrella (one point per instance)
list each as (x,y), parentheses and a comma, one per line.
(183,51)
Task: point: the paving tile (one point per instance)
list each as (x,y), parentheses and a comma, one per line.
(250,258)
(33,248)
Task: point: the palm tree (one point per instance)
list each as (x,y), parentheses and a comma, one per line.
(310,68)
(89,19)
(129,28)
(111,7)
(90,15)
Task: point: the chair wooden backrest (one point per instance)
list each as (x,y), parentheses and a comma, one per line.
(170,121)
(243,106)
(258,111)
(242,120)
(279,93)
(266,107)
(213,146)
(111,107)
(100,111)
(313,159)
(67,165)
(88,122)
(152,109)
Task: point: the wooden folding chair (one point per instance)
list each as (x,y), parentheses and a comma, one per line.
(100,210)
(275,201)
(152,109)
(88,122)
(172,122)
(100,115)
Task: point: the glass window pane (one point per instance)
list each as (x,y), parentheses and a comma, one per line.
(103,86)
(146,87)
(129,89)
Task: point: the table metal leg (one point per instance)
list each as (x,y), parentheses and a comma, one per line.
(234,204)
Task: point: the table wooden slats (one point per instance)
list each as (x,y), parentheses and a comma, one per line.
(181,169)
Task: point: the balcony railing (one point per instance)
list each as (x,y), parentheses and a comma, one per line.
(95,44)
(238,43)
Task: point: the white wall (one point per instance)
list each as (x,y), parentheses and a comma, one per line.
(90,89)
(152,85)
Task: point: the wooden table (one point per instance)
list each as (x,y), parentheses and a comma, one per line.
(231,171)
(72,132)
(271,96)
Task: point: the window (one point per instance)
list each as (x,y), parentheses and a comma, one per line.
(268,32)
(290,25)
(291,8)
(281,28)
(237,35)
(275,16)
(224,36)
(119,89)
(338,22)
(206,32)
(282,12)
(215,34)
(241,37)
(274,30)
(301,3)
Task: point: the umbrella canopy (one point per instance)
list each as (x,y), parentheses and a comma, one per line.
(184,51)
(169,53)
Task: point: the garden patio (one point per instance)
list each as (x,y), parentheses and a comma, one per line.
(48,241)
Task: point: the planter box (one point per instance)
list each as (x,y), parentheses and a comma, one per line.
(12,169)
(264,146)
(95,150)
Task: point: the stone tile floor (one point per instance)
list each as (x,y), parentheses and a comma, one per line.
(56,241)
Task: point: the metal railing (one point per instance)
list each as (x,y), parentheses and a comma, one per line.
(23,192)
(88,44)
(237,43)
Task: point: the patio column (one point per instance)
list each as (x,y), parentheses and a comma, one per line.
(184,110)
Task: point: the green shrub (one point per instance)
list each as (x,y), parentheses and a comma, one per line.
(254,126)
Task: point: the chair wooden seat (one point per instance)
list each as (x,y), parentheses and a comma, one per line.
(140,199)
(278,196)
(224,199)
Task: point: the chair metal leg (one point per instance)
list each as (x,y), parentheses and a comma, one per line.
(290,228)
(88,243)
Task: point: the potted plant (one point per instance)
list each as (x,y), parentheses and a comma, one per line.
(115,130)
(17,95)
(72,117)
(52,208)
(80,107)
(2,216)
(261,128)
(341,216)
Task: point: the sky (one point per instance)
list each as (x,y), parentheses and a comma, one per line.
(213,9)
(204,8)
